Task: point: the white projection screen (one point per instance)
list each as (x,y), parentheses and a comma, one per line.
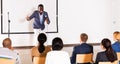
(17,10)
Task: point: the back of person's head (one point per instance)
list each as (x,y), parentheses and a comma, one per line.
(84,37)
(57,43)
(115,35)
(7,43)
(118,37)
(106,43)
(41,39)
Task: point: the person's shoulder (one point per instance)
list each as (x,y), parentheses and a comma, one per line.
(47,47)
(5,50)
(85,44)
(80,46)
(89,45)
(13,52)
(61,53)
(36,11)
(45,11)
(64,52)
(56,52)
(116,43)
(1,49)
(34,48)
(77,46)
(101,53)
(16,52)
(50,52)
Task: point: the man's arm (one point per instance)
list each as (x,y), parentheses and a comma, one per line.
(47,18)
(28,18)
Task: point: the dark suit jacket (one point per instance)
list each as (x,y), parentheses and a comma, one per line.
(36,23)
(84,48)
(101,57)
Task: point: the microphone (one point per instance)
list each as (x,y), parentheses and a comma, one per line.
(8,25)
(8,17)
(8,13)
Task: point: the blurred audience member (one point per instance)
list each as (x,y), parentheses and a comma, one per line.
(116,44)
(8,51)
(57,56)
(108,54)
(83,48)
(41,50)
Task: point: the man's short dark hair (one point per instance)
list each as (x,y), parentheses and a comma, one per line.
(40,5)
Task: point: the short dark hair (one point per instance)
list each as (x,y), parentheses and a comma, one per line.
(84,37)
(40,5)
(57,43)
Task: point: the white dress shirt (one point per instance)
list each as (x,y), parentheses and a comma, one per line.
(41,18)
(57,57)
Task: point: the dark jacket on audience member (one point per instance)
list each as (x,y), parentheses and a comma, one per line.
(101,57)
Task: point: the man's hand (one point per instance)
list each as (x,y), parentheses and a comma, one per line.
(27,18)
(47,21)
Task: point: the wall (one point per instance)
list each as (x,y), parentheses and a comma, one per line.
(25,39)
(97,18)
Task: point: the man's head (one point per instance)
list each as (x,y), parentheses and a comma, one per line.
(41,8)
(118,37)
(7,43)
(83,37)
(115,35)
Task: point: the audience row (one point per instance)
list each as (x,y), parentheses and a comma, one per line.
(42,54)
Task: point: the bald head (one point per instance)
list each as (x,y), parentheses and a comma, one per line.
(7,43)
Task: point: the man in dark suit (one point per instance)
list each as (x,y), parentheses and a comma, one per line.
(40,17)
(83,48)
